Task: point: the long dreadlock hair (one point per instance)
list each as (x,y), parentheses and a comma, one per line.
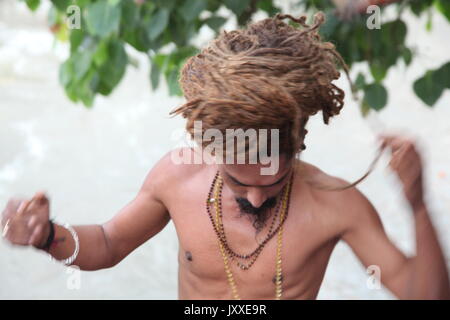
(267,75)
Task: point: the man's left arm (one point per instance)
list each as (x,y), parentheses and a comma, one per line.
(423,276)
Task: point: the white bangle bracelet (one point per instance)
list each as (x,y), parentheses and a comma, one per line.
(72,258)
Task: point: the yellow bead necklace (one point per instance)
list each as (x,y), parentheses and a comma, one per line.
(218,225)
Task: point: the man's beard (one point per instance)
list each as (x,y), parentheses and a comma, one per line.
(260,214)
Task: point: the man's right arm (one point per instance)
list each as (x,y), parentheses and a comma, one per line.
(104,245)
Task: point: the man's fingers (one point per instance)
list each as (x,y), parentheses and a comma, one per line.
(33,222)
(5,229)
(41,200)
(40,197)
(403,163)
(30,204)
(395,142)
(23,207)
(36,236)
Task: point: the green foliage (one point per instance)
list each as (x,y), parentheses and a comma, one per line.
(381,49)
(443,6)
(102,18)
(169,65)
(375,95)
(164,29)
(430,87)
(33,4)
(237,6)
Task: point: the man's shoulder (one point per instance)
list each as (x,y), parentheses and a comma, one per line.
(317,180)
(323,183)
(174,168)
(349,205)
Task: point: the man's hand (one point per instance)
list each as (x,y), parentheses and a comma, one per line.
(407,165)
(25,222)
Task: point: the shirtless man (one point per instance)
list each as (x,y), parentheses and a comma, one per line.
(316,220)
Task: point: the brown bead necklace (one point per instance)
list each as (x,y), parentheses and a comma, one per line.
(218,227)
(220,232)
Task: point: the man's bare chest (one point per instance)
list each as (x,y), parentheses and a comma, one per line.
(305,245)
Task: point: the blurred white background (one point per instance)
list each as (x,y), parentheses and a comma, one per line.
(92,162)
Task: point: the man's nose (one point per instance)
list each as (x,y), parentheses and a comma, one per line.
(256,197)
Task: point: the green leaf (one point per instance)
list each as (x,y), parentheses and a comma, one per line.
(443,6)
(102,18)
(86,96)
(179,56)
(33,4)
(82,89)
(331,22)
(138,39)
(442,75)
(215,22)
(378,70)
(75,38)
(418,6)
(237,6)
(94,80)
(81,63)
(130,15)
(168,4)
(156,44)
(376,42)
(65,73)
(101,54)
(365,108)
(181,32)
(407,55)
(397,30)
(267,6)
(213,5)
(360,81)
(172,81)
(354,50)
(158,23)
(191,9)
(161,61)
(80,3)
(429,24)
(112,71)
(72,92)
(427,89)
(155,74)
(393,41)
(375,95)
(86,88)
(62,4)
(361,37)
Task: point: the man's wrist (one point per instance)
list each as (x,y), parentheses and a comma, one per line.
(49,238)
(418,206)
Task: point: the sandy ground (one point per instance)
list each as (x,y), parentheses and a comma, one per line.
(92,162)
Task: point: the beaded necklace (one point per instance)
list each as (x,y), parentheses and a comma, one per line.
(216,189)
(220,232)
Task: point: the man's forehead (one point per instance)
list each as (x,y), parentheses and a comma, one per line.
(266,184)
(250,174)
